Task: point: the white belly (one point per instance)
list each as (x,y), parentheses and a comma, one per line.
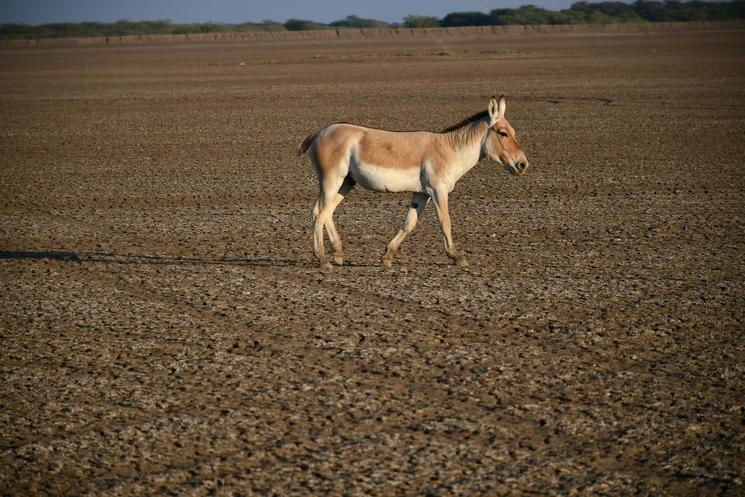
(384,179)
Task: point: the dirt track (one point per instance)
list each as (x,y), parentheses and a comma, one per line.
(165,328)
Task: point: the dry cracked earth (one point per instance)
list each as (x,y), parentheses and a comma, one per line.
(166,330)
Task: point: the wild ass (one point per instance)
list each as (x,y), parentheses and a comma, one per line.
(425,163)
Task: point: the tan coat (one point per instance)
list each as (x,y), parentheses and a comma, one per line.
(425,163)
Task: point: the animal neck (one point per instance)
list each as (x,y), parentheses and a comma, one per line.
(468,141)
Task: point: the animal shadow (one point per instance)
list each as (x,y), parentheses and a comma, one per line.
(128,258)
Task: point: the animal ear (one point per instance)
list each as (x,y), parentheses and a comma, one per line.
(502,105)
(493,109)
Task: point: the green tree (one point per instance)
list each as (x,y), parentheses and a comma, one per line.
(302,25)
(358,22)
(455,19)
(420,22)
(607,11)
(526,15)
(651,11)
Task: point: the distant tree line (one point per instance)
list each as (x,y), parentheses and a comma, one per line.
(126,28)
(578,13)
(600,13)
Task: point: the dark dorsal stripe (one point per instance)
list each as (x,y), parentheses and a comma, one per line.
(476,117)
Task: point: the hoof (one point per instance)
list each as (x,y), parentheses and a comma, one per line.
(387,262)
(325,265)
(461,261)
(339,259)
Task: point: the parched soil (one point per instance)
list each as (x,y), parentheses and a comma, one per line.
(165,329)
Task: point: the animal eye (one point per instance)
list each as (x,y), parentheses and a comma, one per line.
(502,133)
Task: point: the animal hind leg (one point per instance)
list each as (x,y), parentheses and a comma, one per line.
(322,211)
(334,237)
(318,249)
(418,202)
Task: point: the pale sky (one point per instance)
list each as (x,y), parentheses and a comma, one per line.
(237,11)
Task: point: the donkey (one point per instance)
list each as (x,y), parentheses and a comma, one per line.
(425,163)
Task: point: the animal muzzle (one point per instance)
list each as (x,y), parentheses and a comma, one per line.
(518,167)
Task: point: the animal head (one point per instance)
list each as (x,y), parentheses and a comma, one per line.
(501,142)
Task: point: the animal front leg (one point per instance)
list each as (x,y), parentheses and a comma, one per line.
(441,206)
(418,202)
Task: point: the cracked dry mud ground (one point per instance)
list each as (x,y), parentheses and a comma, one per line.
(165,329)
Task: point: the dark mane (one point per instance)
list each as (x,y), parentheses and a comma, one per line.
(476,117)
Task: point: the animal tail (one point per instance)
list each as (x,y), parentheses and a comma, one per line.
(306,143)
